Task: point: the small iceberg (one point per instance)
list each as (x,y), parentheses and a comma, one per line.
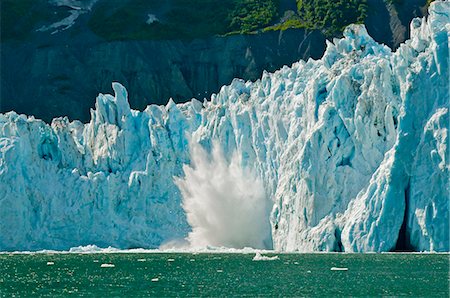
(339,269)
(141,260)
(155,279)
(107,265)
(259,257)
(50,263)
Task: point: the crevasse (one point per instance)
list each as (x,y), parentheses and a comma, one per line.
(351,151)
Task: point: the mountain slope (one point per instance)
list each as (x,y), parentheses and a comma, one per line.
(74,49)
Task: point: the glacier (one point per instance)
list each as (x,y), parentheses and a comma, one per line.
(346,153)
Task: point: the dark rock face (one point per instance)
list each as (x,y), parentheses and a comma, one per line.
(64,79)
(60,75)
(389,23)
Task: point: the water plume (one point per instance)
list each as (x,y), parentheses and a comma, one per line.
(225,203)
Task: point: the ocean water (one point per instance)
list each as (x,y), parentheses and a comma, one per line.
(211,274)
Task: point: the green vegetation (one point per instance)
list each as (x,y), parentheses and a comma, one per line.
(288,24)
(181,18)
(187,19)
(288,21)
(249,15)
(331,16)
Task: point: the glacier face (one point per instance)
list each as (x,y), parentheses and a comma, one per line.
(350,150)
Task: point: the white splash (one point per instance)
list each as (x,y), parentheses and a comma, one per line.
(225,203)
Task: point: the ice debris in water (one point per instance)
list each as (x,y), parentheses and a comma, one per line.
(339,269)
(107,265)
(347,153)
(259,257)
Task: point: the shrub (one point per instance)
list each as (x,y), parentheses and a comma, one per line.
(181,19)
(331,16)
(249,15)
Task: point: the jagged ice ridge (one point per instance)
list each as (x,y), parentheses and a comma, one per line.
(346,153)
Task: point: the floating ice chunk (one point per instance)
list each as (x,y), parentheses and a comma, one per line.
(259,257)
(141,260)
(50,263)
(339,269)
(155,279)
(107,265)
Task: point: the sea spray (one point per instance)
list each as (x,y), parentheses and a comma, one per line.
(225,203)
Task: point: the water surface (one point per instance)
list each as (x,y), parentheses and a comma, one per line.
(175,274)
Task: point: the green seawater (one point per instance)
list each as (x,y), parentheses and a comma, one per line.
(183,274)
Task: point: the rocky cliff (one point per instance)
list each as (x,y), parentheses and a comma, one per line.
(49,73)
(63,78)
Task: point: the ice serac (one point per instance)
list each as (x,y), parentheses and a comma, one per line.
(350,150)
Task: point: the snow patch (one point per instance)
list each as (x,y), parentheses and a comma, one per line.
(151,18)
(77,8)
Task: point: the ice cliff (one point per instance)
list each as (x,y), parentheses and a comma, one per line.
(346,153)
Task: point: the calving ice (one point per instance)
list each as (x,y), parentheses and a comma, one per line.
(346,153)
